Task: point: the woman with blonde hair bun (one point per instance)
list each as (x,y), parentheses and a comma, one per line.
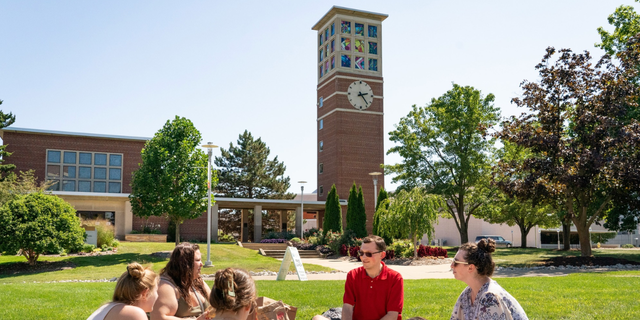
(135,294)
(234,294)
(483,299)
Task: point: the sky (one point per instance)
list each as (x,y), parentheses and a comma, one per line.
(126,67)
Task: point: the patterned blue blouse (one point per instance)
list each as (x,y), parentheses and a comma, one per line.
(492,302)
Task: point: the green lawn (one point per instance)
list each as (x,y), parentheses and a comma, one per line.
(576,296)
(109,266)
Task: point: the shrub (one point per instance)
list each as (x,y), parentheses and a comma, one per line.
(333,241)
(318,238)
(311,233)
(324,249)
(115,243)
(305,246)
(279,235)
(105,234)
(628,246)
(402,248)
(353,252)
(295,240)
(88,248)
(225,237)
(390,255)
(427,251)
(273,241)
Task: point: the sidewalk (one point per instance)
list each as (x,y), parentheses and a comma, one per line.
(441,271)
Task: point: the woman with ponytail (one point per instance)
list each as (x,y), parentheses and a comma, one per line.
(483,298)
(233,296)
(135,294)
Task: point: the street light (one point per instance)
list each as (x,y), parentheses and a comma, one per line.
(301,208)
(209,147)
(558,231)
(375,175)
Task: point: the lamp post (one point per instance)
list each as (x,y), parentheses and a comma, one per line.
(209,147)
(558,231)
(302,182)
(375,175)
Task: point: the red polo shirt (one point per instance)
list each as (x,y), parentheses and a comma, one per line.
(373,298)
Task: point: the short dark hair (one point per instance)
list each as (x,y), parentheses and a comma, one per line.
(479,255)
(377,240)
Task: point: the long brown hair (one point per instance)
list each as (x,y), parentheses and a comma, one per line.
(233,289)
(180,269)
(133,282)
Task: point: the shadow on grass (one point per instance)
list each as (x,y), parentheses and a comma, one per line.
(12,269)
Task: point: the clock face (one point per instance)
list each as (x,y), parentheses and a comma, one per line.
(360,95)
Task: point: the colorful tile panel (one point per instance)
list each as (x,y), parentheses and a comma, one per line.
(373,32)
(373,64)
(321,55)
(320,38)
(373,48)
(326,34)
(333,28)
(326,66)
(359,63)
(359,29)
(332,45)
(359,45)
(345,27)
(346,44)
(346,61)
(333,62)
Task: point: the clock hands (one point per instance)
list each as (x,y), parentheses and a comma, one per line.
(360,94)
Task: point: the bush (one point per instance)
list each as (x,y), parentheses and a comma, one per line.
(115,243)
(305,246)
(333,241)
(295,240)
(88,248)
(279,235)
(225,237)
(273,241)
(390,255)
(402,249)
(628,246)
(318,238)
(313,232)
(427,251)
(105,234)
(324,249)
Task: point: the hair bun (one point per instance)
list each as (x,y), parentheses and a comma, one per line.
(487,245)
(135,270)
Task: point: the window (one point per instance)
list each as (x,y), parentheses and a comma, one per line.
(321,124)
(321,190)
(320,168)
(320,102)
(84,171)
(321,146)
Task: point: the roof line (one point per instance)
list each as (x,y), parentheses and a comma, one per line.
(67,133)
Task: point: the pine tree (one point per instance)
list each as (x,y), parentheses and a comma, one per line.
(360,226)
(352,208)
(332,212)
(6,119)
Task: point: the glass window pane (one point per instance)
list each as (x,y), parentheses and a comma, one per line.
(321,123)
(100,159)
(100,173)
(359,45)
(53,172)
(346,44)
(68,185)
(359,63)
(321,146)
(99,186)
(373,31)
(333,29)
(85,158)
(84,186)
(84,173)
(69,172)
(55,186)
(115,160)
(114,174)
(346,61)
(373,48)
(373,64)
(359,29)
(69,157)
(53,156)
(345,27)
(321,56)
(114,187)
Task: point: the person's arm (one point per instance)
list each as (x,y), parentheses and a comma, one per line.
(347,311)
(391,315)
(166,305)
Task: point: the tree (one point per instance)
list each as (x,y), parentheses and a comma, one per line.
(6,119)
(627,24)
(37,223)
(411,214)
(15,185)
(360,226)
(332,212)
(445,148)
(172,179)
(382,196)
(245,171)
(351,207)
(585,148)
(514,211)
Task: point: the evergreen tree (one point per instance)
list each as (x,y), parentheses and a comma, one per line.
(377,230)
(6,119)
(360,226)
(245,171)
(172,179)
(332,212)
(352,208)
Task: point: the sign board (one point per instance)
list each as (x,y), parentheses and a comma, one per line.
(92,237)
(292,255)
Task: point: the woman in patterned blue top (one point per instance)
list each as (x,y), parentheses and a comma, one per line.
(483,299)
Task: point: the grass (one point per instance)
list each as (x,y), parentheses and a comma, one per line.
(109,266)
(576,296)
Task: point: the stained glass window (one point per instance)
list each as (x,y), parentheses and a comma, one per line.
(373,48)
(326,34)
(346,44)
(333,29)
(320,38)
(359,46)
(346,61)
(332,45)
(373,31)
(320,71)
(321,56)
(333,62)
(326,51)
(359,29)
(326,66)
(359,63)
(373,64)
(345,27)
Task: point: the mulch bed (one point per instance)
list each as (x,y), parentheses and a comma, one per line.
(587,261)
(14,268)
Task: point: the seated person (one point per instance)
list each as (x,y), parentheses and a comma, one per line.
(483,298)
(182,293)
(373,291)
(135,294)
(233,296)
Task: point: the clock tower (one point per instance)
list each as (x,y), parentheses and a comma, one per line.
(349,104)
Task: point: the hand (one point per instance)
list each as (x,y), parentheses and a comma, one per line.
(365,100)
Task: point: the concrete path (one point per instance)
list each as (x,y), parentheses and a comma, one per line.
(441,271)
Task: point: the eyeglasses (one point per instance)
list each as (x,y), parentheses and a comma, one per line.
(455,262)
(368,254)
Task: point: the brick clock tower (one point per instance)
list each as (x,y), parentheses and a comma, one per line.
(349,104)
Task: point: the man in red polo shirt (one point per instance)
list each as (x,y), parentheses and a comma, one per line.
(373,291)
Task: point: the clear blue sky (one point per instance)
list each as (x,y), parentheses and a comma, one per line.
(126,67)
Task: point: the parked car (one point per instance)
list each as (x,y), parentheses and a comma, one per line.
(500,241)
